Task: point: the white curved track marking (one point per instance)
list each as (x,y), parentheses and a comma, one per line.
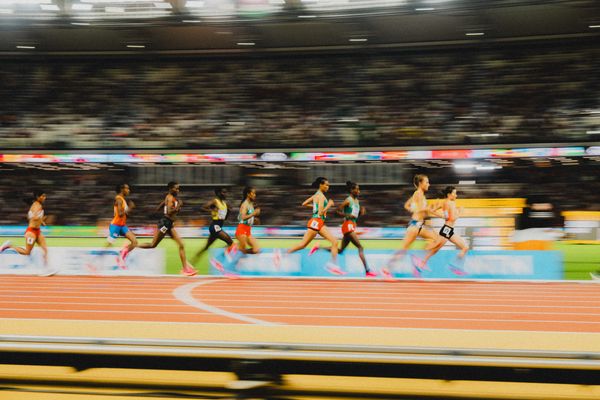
(184,294)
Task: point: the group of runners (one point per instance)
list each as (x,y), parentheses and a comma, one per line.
(349,209)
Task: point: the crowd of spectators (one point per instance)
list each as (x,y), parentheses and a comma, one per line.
(547,93)
(86,198)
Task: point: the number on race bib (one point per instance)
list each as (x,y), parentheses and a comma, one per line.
(30,240)
(163,229)
(314,224)
(217,228)
(350,227)
(446,230)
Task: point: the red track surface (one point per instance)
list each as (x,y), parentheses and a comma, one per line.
(564,307)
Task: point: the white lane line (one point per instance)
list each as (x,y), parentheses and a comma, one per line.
(390,301)
(292,290)
(313,316)
(386,310)
(184,294)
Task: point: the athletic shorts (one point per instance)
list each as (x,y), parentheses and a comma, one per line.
(36,231)
(348,227)
(315,224)
(114,231)
(243,229)
(447,231)
(165,225)
(215,227)
(417,224)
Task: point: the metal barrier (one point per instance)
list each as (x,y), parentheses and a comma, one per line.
(262,365)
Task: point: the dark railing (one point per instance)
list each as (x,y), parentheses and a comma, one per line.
(261,367)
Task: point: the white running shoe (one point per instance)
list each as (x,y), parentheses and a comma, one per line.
(4,246)
(48,272)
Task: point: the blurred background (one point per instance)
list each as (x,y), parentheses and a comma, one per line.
(500,98)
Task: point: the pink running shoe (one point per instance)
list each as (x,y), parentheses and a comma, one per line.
(277,258)
(188,270)
(416,272)
(123,253)
(92,269)
(419,263)
(370,274)
(387,275)
(217,265)
(4,246)
(314,249)
(334,269)
(231,275)
(230,252)
(457,271)
(121,262)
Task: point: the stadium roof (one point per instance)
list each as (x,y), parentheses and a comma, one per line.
(228,26)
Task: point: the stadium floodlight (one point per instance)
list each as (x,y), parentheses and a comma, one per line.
(425,9)
(49,7)
(487,167)
(163,5)
(594,26)
(474,34)
(336,5)
(114,9)
(8,3)
(114,1)
(82,7)
(465,166)
(194,4)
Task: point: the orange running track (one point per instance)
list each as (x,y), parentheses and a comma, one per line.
(510,306)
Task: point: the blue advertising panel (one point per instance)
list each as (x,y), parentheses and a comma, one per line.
(529,265)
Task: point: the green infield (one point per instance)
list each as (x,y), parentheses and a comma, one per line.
(580,259)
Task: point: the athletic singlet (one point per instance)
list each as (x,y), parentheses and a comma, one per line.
(221,212)
(414,206)
(37,215)
(353,209)
(166,207)
(249,210)
(316,206)
(448,215)
(117,220)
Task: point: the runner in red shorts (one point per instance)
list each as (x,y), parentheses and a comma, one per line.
(34,234)
(316,225)
(247,243)
(350,209)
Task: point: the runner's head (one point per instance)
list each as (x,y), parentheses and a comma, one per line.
(321,183)
(421,181)
(123,189)
(221,193)
(173,188)
(249,193)
(38,195)
(353,188)
(449,193)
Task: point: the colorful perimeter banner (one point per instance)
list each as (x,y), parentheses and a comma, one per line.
(528,265)
(84,261)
